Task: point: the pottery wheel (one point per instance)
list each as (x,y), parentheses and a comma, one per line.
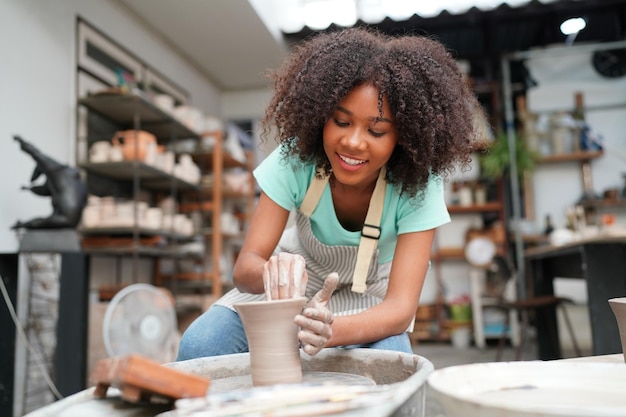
(245,381)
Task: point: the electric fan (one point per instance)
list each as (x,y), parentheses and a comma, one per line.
(141,319)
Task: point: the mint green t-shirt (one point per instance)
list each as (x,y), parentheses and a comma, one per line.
(285,181)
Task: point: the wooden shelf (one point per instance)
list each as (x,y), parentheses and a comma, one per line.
(205,160)
(475,208)
(204,206)
(604,203)
(535,239)
(570,157)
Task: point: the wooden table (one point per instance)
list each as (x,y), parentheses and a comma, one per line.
(601,262)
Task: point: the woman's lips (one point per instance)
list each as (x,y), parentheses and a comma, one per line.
(350,164)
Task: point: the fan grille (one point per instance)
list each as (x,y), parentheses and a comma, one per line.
(141,319)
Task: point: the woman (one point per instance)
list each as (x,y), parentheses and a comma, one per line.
(368,128)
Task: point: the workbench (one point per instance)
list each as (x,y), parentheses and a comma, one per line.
(601,262)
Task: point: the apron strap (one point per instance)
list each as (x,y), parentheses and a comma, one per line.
(314,193)
(369,234)
(371,228)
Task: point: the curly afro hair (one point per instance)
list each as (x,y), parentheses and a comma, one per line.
(434,108)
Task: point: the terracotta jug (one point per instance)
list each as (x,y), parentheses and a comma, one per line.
(135,144)
(618,305)
(272,340)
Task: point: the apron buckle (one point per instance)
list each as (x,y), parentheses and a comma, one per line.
(371,231)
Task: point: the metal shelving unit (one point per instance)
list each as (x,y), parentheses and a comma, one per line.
(134,111)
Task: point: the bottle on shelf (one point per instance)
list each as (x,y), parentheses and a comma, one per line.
(570,216)
(480,193)
(528,121)
(549,227)
(578,114)
(465,194)
(579,108)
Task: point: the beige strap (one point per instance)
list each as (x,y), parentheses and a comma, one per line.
(369,234)
(314,193)
(371,228)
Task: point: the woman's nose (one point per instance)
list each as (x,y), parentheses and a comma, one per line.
(354,138)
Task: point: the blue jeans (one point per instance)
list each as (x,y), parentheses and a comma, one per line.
(219,331)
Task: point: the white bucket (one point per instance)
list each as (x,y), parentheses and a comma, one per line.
(461,337)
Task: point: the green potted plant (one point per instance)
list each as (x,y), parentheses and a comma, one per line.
(495,161)
(460,309)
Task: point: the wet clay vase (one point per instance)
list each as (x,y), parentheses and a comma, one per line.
(272,340)
(618,305)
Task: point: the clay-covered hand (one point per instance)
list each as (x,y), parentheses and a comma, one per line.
(316,319)
(284,276)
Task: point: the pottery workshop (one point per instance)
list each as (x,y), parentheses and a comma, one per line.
(313,207)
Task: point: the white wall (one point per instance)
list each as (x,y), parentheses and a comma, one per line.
(245,104)
(249,105)
(559,75)
(38,88)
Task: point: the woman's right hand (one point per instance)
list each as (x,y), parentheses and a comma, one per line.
(284,276)
(316,319)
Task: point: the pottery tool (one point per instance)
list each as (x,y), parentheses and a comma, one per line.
(297,400)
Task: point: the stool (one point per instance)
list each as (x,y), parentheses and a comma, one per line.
(534,304)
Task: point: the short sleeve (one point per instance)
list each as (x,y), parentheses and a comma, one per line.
(429,212)
(284,179)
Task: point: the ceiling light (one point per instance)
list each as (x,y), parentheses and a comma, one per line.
(573,25)
(319,14)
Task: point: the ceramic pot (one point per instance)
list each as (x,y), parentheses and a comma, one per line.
(116,154)
(618,305)
(272,340)
(165,102)
(99,151)
(135,144)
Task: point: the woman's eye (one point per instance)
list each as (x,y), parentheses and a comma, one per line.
(376,134)
(340,123)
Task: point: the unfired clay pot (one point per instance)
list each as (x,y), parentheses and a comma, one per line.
(135,144)
(618,305)
(272,340)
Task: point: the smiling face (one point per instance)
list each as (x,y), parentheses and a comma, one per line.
(358,140)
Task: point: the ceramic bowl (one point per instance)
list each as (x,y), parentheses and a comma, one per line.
(531,389)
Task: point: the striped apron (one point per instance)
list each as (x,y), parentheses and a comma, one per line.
(371,278)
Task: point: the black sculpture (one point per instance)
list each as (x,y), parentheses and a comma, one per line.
(63,184)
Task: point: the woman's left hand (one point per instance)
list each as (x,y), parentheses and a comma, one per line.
(316,319)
